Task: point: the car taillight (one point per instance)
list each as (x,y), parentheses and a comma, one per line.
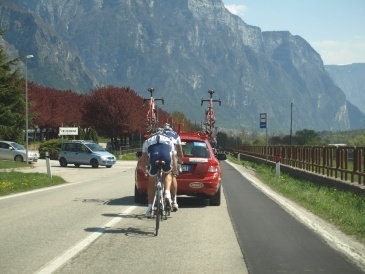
(212,169)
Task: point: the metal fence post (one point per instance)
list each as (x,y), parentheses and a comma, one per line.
(48,164)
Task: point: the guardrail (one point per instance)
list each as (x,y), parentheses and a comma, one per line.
(123,151)
(346,163)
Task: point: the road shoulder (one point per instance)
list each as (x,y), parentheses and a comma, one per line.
(347,245)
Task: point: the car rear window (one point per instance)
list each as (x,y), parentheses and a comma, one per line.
(195,149)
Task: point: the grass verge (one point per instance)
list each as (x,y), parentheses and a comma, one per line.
(12,164)
(344,209)
(14,182)
(128,157)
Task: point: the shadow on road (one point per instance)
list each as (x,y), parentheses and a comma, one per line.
(127,200)
(192,202)
(131,216)
(183,201)
(129,231)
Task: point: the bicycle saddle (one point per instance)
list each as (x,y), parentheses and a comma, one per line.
(159,162)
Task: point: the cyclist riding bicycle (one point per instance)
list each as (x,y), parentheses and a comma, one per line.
(157,147)
(177,158)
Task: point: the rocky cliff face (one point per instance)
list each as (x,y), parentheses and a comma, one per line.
(351,79)
(184,48)
(56,64)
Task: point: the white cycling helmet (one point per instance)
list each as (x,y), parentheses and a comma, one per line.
(167,127)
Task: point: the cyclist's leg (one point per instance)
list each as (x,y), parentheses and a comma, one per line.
(151,188)
(167,179)
(173,185)
(174,205)
(174,182)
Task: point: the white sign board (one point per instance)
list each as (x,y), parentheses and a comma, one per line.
(69,131)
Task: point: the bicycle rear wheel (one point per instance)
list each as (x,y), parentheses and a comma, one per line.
(158,212)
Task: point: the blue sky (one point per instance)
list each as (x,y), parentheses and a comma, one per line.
(334,28)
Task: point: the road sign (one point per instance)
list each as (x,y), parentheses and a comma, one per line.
(263,120)
(68,131)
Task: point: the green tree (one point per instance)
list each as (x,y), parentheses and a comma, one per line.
(12,103)
(357,141)
(178,119)
(307,137)
(259,141)
(222,140)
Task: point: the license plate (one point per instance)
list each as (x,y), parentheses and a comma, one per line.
(186,168)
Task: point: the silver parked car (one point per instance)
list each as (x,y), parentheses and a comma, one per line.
(13,151)
(85,153)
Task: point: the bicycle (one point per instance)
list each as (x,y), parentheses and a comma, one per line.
(209,113)
(152,115)
(160,211)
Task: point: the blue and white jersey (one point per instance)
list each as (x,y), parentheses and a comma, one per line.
(175,138)
(160,138)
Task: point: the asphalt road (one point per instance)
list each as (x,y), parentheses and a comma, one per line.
(91,225)
(272,240)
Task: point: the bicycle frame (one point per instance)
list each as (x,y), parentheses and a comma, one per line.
(152,115)
(158,192)
(209,114)
(158,205)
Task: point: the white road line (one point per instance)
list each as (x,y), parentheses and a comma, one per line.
(40,190)
(73,251)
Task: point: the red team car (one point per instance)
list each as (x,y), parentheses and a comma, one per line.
(201,172)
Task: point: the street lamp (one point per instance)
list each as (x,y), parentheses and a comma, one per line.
(26,106)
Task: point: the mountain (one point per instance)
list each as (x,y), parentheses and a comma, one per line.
(351,79)
(184,48)
(56,64)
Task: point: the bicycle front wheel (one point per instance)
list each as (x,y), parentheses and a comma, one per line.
(158,212)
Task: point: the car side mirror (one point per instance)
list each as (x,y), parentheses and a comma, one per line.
(221,156)
(139,154)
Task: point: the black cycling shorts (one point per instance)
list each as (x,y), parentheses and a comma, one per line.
(159,152)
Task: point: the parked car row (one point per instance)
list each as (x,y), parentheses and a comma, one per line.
(73,152)
(14,151)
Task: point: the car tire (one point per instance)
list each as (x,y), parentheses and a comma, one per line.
(94,163)
(77,165)
(18,158)
(215,200)
(63,162)
(138,196)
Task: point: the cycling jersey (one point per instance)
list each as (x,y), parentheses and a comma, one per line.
(175,138)
(159,147)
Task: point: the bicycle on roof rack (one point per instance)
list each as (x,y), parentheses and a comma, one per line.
(152,114)
(209,113)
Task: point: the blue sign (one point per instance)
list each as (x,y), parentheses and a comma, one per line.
(263,120)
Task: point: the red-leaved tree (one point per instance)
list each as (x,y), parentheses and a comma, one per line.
(115,111)
(51,108)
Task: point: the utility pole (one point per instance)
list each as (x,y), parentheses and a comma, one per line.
(26,107)
(291,122)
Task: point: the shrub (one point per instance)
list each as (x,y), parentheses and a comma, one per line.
(52,146)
